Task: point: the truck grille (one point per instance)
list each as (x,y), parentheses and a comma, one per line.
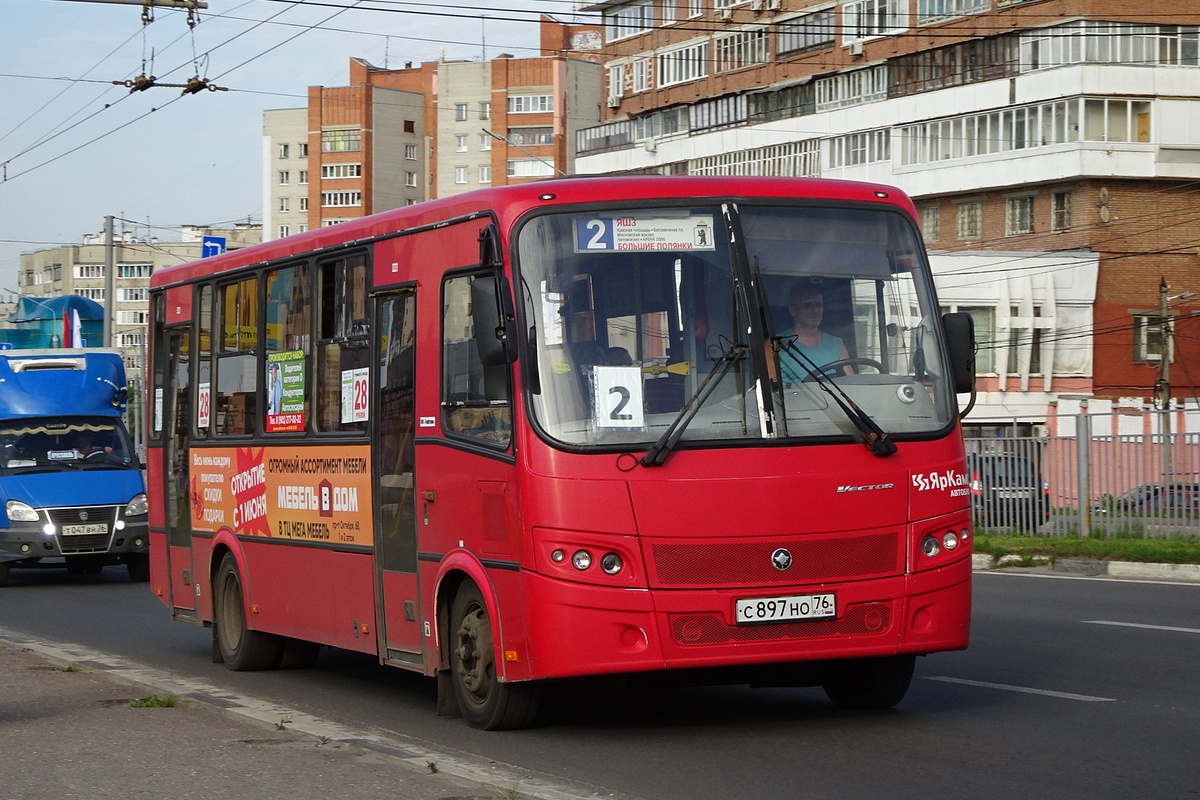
(97,542)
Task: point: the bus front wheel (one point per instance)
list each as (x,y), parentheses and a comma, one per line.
(241,648)
(869,683)
(485,702)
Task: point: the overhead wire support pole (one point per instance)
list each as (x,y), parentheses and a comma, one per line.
(185,4)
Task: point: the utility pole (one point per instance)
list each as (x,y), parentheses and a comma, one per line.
(1164,370)
(110,268)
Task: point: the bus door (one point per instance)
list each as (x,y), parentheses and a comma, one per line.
(399,624)
(177,488)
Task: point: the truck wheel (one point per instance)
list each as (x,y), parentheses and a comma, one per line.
(484,701)
(869,683)
(139,568)
(241,648)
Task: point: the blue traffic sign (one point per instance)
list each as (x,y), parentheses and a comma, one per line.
(212,246)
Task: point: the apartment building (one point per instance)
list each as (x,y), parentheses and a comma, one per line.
(80,270)
(1050,146)
(395,137)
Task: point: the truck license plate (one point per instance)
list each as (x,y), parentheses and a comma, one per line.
(785,609)
(92,529)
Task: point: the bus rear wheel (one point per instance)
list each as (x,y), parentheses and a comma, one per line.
(485,702)
(869,683)
(241,648)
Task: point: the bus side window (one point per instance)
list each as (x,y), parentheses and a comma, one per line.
(475,397)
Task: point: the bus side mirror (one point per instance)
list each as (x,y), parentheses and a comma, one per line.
(960,341)
(492,312)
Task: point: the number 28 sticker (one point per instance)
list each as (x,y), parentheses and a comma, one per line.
(618,400)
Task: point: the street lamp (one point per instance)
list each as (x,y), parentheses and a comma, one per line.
(1164,369)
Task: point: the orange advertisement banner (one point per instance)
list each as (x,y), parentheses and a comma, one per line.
(320,494)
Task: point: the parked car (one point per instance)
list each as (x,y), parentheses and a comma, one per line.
(1154,498)
(1007,491)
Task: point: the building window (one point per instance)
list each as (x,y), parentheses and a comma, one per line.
(304,204)
(628,20)
(641,75)
(683,64)
(283,151)
(865,18)
(931,219)
(134,270)
(460,112)
(283,205)
(969,220)
(285,177)
(669,12)
(410,126)
(937,10)
(81,271)
(460,143)
(341,141)
(852,88)
(410,152)
(531,104)
(485,109)
(740,50)
(542,135)
(485,174)
(860,148)
(133,317)
(810,32)
(335,171)
(529,168)
(410,180)
(1148,339)
(91,294)
(1060,214)
(460,175)
(1018,337)
(303,146)
(284,230)
(340,199)
(984,318)
(1018,215)
(303,177)
(616,80)
(695,8)
(301,228)
(485,141)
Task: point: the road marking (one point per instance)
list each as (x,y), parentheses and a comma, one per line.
(1023,689)
(1140,625)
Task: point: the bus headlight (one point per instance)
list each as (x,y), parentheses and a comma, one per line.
(611,563)
(930,546)
(950,540)
(21,512)
(137,506)
(582,560)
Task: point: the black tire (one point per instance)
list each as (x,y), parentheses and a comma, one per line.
(139,568)
(869,683)
(3,574)
(484,701)
(242,649)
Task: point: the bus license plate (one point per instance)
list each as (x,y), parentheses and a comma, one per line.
(785,609)
(93,529)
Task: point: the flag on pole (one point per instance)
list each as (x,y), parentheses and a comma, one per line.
(66,329)
(76,329)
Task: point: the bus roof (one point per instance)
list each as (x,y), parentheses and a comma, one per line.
(512,201)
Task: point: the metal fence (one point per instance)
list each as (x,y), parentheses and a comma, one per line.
(1088,475)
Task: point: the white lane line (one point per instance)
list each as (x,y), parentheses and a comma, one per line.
(1023,689)
(1140,625)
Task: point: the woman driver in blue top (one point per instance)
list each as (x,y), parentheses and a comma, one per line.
(807,307)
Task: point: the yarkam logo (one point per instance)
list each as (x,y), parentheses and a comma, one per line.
(941,481)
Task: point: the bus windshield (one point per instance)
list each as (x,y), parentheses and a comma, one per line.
(758,321)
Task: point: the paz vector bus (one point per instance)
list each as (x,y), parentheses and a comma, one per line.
(70,478)
(680,427)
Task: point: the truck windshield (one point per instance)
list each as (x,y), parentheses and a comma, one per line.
(63,443)
(628,312)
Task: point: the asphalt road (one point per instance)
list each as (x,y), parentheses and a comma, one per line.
(1072,688)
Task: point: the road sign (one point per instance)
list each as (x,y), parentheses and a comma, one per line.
(212,246)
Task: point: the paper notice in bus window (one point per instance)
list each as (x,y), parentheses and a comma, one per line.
(285,391)
(631,234)
(618,400)
(354,394)
(204,403)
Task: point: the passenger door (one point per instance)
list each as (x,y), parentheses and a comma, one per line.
(176,475)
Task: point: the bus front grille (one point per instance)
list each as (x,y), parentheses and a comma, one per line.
(711,629)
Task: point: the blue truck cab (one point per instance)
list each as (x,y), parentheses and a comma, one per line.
(72,491)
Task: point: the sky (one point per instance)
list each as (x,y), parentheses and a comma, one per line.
(74,147)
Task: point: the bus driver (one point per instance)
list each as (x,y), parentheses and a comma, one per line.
(806,307)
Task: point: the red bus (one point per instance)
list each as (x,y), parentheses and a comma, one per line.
(704,428)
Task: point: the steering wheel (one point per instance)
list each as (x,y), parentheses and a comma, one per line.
(95,454)
(836,366)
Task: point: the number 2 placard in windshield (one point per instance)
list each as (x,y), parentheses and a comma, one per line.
(627,234)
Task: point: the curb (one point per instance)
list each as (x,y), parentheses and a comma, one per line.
(1090,567)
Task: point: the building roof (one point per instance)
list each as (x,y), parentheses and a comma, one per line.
(31,309)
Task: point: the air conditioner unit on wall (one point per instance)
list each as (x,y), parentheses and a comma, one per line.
(856,49)
(774,5)
(756,5)
(614,101)
(726,13)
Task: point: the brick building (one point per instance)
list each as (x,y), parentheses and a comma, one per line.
(1051,147)
(397,137)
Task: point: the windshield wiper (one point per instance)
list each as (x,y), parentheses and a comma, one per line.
(874,437)
(658,452)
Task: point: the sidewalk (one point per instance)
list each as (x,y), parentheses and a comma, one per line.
(71,732)
(1091,567)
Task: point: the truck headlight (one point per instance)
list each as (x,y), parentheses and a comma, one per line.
(22,512)
(137,506)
